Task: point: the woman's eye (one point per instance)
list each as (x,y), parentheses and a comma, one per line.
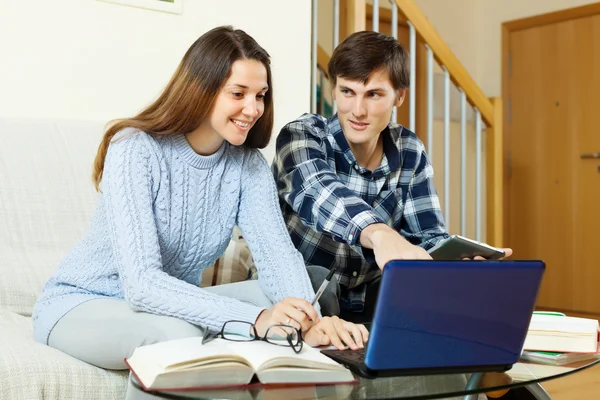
(238,94)
(260,96)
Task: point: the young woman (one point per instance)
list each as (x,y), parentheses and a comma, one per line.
(173,182)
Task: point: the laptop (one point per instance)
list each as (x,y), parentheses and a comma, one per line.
(447,317)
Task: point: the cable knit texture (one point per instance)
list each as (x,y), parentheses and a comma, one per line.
(164,215)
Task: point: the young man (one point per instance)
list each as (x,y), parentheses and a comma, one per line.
(357,191)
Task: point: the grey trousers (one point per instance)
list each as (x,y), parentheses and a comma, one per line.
(104,332)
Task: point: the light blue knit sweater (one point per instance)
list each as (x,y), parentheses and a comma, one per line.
(165,214)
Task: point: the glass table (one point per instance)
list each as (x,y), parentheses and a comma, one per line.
(459,386)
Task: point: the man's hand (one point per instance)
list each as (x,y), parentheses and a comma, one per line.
(289,311)
(507,252)
(387,244)
(337,332)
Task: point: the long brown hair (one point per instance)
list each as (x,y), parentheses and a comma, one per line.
(190,94)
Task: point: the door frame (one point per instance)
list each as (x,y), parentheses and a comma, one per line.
(508,28)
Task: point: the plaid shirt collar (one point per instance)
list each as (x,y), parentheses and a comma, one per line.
(391,148)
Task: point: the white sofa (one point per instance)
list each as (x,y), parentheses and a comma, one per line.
(46,202)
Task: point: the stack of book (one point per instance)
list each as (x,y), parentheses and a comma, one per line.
(556,358)
(555,339)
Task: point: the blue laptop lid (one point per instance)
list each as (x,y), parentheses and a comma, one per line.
(436,314)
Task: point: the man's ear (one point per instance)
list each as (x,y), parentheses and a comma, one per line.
(333,92)
(400,96)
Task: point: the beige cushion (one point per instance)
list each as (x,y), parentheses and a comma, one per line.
(234,266)
(31,370)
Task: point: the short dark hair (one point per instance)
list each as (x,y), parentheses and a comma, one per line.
(362,53)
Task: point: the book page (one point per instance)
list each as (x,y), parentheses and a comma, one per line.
(552,323)
(304,375)
(264,355)
(181,353)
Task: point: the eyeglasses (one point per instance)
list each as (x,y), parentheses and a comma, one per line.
(280,335)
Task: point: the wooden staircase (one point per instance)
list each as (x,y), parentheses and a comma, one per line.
(357,15)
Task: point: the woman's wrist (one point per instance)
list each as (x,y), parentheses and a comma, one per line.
(258,318)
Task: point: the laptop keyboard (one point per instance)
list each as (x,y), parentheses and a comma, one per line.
(351,356)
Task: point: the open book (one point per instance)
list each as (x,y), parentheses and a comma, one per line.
(187,364)
(562,334)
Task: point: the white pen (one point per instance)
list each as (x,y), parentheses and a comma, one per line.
(322,287)
(320,291)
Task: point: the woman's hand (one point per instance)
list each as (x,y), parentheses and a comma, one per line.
(337,332)
(289,311)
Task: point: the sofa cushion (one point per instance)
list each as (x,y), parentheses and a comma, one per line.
(46,203)
(31,370)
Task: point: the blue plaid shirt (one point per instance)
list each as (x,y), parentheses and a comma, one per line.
(327,199)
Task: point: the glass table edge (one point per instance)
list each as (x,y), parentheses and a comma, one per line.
(428,396)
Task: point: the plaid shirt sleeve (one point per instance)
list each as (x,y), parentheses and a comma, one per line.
(312,188)
(422,222)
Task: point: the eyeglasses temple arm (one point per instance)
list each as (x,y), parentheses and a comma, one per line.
(208,336)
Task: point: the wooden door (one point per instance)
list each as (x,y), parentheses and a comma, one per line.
(553,84)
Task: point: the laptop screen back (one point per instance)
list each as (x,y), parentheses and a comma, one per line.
(434,314)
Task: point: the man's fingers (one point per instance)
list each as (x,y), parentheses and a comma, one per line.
(507,252)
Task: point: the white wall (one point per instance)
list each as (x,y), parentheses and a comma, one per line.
(489,46)
(473,31)
(455,21)
(87,59)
